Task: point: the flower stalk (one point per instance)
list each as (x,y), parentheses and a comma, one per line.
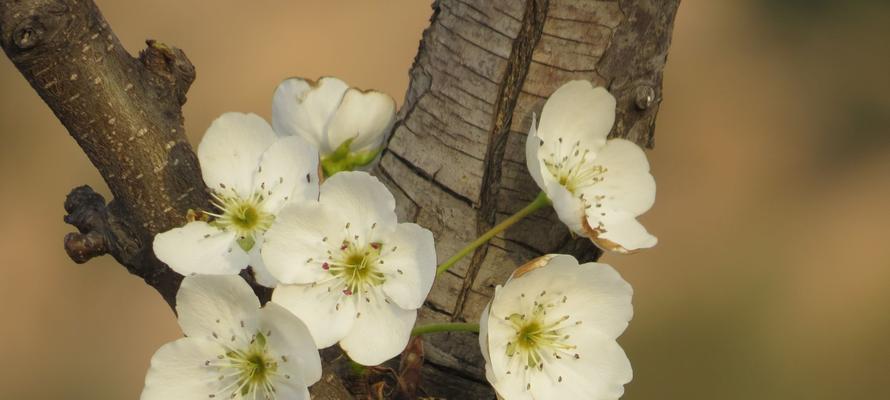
(539,202)
(445,327)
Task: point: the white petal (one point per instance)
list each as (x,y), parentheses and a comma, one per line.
(260,271)
(360,199)
(618,231)
(483,339)
(177,371)
(595,293)
(230,151)
(296,244)
(199,248)
(599,374)
(328,314)
(216,307)
(577,112)
(366,117)
(288,172)
(500,333)
(291,390)
(569,208)
(411,268)
(380,333)
(483,329)
(304,108)
(532,147)
(292,343)
(627,184)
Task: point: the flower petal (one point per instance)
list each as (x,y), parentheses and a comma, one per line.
(366,117)
(600,373)
(216,307)
(230,151)
(617,231)
(257,266)
(177,371)
(296,244)
(569,208)
(327,313)
(292,343)
(483,338)
(304,108)
(199,248)
(360,199)
(381,331)
(409,264)
(532,147)
(288,172)
(291,390)
(627,184)
(578,113)
(594,293)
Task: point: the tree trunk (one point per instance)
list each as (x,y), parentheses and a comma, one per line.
(455,162)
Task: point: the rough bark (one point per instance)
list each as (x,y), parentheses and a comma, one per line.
(455,162)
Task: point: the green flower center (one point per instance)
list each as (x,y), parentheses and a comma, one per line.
(357,266)
(572,170)
(242,216)
(539,338)
(250,372)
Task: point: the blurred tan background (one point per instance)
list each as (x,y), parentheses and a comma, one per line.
(772,277)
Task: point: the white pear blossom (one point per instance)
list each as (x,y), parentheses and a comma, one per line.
(549,332)
(598,187)
(349,126)
(251,173)
(233,349)
(348,268)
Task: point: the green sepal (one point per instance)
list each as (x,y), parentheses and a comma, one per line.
(344,160)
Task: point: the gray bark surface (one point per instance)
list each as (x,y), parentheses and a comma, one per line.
(455,161)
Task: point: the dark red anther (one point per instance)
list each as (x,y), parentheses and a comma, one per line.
(347,292)
(376,245)
(325,266)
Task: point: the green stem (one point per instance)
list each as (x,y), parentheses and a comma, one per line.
(538,203)
(445,327)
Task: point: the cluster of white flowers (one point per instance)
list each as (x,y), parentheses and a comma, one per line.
(289,203)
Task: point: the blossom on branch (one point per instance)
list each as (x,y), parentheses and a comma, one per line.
(349,270)
(349,126)
(252,173)
(234,349)
(598,186)
(549,332)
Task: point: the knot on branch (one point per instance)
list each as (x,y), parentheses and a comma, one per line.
(97,233)
(87,212)
(30,26)
(170,64)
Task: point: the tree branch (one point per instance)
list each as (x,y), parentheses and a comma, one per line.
(125,113)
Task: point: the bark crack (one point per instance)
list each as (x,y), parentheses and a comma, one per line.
(502,118)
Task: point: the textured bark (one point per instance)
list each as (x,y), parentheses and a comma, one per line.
(455,162)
